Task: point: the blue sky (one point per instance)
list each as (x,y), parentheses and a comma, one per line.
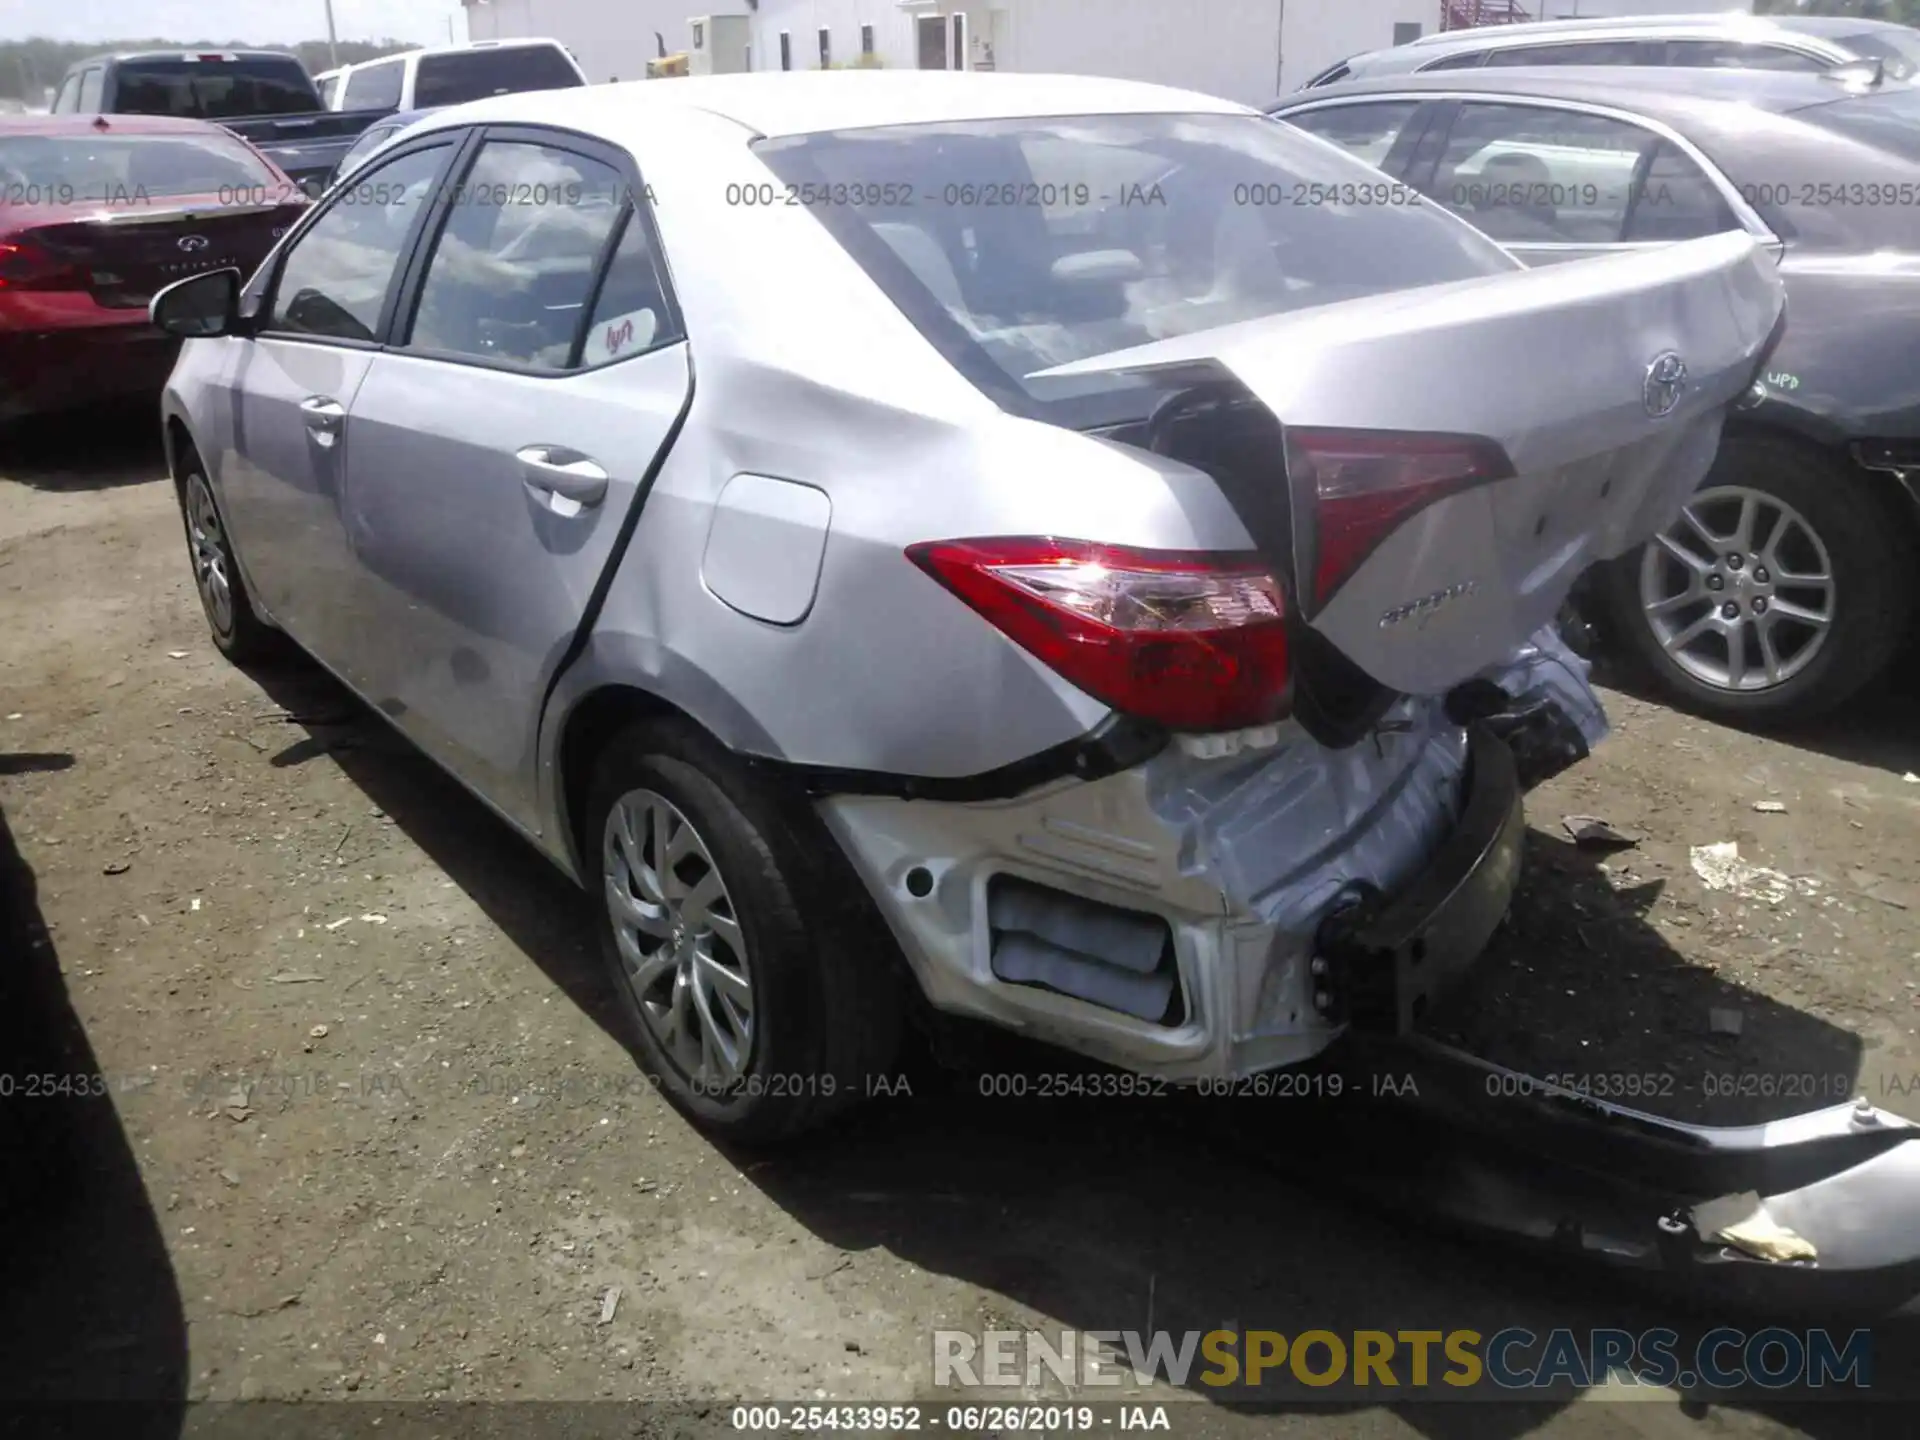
(262,22)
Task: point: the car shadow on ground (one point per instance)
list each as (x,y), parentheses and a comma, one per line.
(96,449)
(89,1305)
(1152,1213)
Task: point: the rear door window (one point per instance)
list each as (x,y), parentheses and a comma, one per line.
(1367,131)
(1533,175)
(1584,52)
(455,78)
(69,97)
(334,282)
(1470,60)
(90,89)
(214,89)
(374,86)
(513,269)
(633,312)
(1732,55)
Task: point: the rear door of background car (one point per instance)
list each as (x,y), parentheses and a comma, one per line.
(322,310)
(1557,181)
(537,370)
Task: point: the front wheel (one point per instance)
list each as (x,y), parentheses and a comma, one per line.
(239,633)
(1781,591)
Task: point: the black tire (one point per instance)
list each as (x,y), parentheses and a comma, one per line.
(1870,549)
(237,629)
(826,999)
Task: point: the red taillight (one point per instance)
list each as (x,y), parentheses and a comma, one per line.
(1193,640)
(1365,482)
(25,266)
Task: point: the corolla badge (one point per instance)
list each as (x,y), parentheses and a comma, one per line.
(191,243)
(1423,608)
(1666,382)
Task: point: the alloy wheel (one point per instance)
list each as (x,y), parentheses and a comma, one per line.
(209,543)
(680,941)
(1739,592)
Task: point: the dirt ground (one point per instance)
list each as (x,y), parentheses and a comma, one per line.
(366,1132)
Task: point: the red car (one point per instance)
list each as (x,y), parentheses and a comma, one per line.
(96,214)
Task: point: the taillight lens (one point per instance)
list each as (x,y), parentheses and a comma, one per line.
(1366,482)
(1192,640)
(25,266)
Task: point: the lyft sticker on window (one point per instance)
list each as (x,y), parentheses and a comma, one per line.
(623,333)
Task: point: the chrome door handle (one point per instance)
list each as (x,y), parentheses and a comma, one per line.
(563,472)
(323,415)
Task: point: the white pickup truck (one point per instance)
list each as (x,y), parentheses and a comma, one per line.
(453,74)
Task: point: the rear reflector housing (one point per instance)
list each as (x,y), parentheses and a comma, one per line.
(1365,483)
(1192,640)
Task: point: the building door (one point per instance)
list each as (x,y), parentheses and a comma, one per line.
(932,33)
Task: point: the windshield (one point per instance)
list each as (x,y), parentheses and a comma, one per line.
(475,74)
(1020,244)
(1887,120)
(79,170)
(215,89)
(1899,48)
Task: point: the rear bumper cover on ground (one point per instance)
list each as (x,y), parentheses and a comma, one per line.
(1485,1150)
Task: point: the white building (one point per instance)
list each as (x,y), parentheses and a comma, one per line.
(1246,50)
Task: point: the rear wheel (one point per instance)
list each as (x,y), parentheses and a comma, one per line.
(756,1000)
(241,635)
(1779,594)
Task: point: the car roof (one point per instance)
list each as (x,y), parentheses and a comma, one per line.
(804,102)
(238,51)
(515,42)
(87,124)
(1738,21)
(1653,90)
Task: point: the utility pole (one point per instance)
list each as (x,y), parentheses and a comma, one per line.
(333,40)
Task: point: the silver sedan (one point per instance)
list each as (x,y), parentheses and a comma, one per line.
(1056,551)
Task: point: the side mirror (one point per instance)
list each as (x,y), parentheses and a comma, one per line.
(199,306)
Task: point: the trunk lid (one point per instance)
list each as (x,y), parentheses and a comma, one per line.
(1605,382)
(121,254)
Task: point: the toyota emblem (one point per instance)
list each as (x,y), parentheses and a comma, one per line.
(191,243)
(1666,383)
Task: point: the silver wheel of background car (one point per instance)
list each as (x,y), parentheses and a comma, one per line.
(1739,592)
(209,553)
(681,947)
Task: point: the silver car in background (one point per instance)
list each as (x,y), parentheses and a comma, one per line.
(1810,43)
(1073,553)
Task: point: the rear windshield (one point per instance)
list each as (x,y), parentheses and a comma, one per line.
(214,89)
(475,74)
(78,170)
(1887,120)
(1899,48)
(1021,244)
